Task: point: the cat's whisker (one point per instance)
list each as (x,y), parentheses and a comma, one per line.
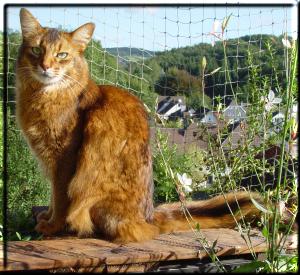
(70,87)
(26,70)
(75,81)
(25,67)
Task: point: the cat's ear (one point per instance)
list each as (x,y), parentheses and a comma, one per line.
(83,35)
(29,25)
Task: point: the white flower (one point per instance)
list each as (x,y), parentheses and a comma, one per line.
(214,32)
(203,184)
(270,100)
(226,172)
(286,43)
(215,26)
(294,111)
(185,182)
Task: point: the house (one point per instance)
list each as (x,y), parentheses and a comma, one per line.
(235,112)
(241,135)
(279,116)
(171,107)
(174,136)
(211,117)
(198,113)
(231,114)
(197,136)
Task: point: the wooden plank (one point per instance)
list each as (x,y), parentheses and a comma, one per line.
(100,255)
(41,257)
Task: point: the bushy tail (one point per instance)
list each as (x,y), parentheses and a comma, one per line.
(211,213)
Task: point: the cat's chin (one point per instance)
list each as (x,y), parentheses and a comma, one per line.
(51,87)
(49,82)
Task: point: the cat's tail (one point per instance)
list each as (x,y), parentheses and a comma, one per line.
(222,211)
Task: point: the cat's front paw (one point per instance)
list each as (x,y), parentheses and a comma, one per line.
(44,215)
(48,228)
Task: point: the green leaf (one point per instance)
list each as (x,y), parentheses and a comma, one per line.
(198,226)
(225,22)
(214,244)
(215,70)
(213,257)
(265,232)
(19,236)
(27,238)
(260,207)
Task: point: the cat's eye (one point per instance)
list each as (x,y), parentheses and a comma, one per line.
(36,50)
(62,55)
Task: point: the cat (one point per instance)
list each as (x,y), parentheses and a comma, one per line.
(92,143)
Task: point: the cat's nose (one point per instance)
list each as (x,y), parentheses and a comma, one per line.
(45,67)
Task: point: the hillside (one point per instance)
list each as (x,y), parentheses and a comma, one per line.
(187,61)
(131,52)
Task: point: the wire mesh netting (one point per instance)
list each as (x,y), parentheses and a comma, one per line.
(215,79)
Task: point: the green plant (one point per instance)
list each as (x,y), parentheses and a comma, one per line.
(168,161)
(275,245)
(26,186)
(165,189)
(1,169)
(178,123)
(232,166)
(286,263)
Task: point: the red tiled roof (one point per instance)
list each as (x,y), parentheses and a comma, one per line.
(241,135)
(195,136)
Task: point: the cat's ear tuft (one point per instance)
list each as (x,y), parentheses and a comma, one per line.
(29,25)
(83,35)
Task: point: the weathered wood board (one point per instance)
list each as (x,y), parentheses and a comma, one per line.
(97,255)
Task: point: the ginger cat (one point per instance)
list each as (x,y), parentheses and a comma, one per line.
(92,142)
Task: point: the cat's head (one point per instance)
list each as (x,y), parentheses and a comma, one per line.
(49,55)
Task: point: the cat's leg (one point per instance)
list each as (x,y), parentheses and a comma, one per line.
(82,190)
(61,173)
(79,219)
(56,216)
(46,214)
(134,231)
(125,230)
(121,227)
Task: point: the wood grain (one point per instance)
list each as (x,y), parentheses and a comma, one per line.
(99,255)
(69,253)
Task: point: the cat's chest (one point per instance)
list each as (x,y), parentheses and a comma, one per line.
(50,128)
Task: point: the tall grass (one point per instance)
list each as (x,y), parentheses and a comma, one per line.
(280,192)
(26,185)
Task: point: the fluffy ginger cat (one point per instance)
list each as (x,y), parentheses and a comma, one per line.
(92,143)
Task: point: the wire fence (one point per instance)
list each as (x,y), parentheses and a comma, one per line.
(193,66)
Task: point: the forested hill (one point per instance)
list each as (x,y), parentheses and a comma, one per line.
(178,71)
(127,52)
(187,61)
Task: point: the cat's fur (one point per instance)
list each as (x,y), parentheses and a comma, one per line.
(93,144)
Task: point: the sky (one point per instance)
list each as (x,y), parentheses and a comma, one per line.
(158,28)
